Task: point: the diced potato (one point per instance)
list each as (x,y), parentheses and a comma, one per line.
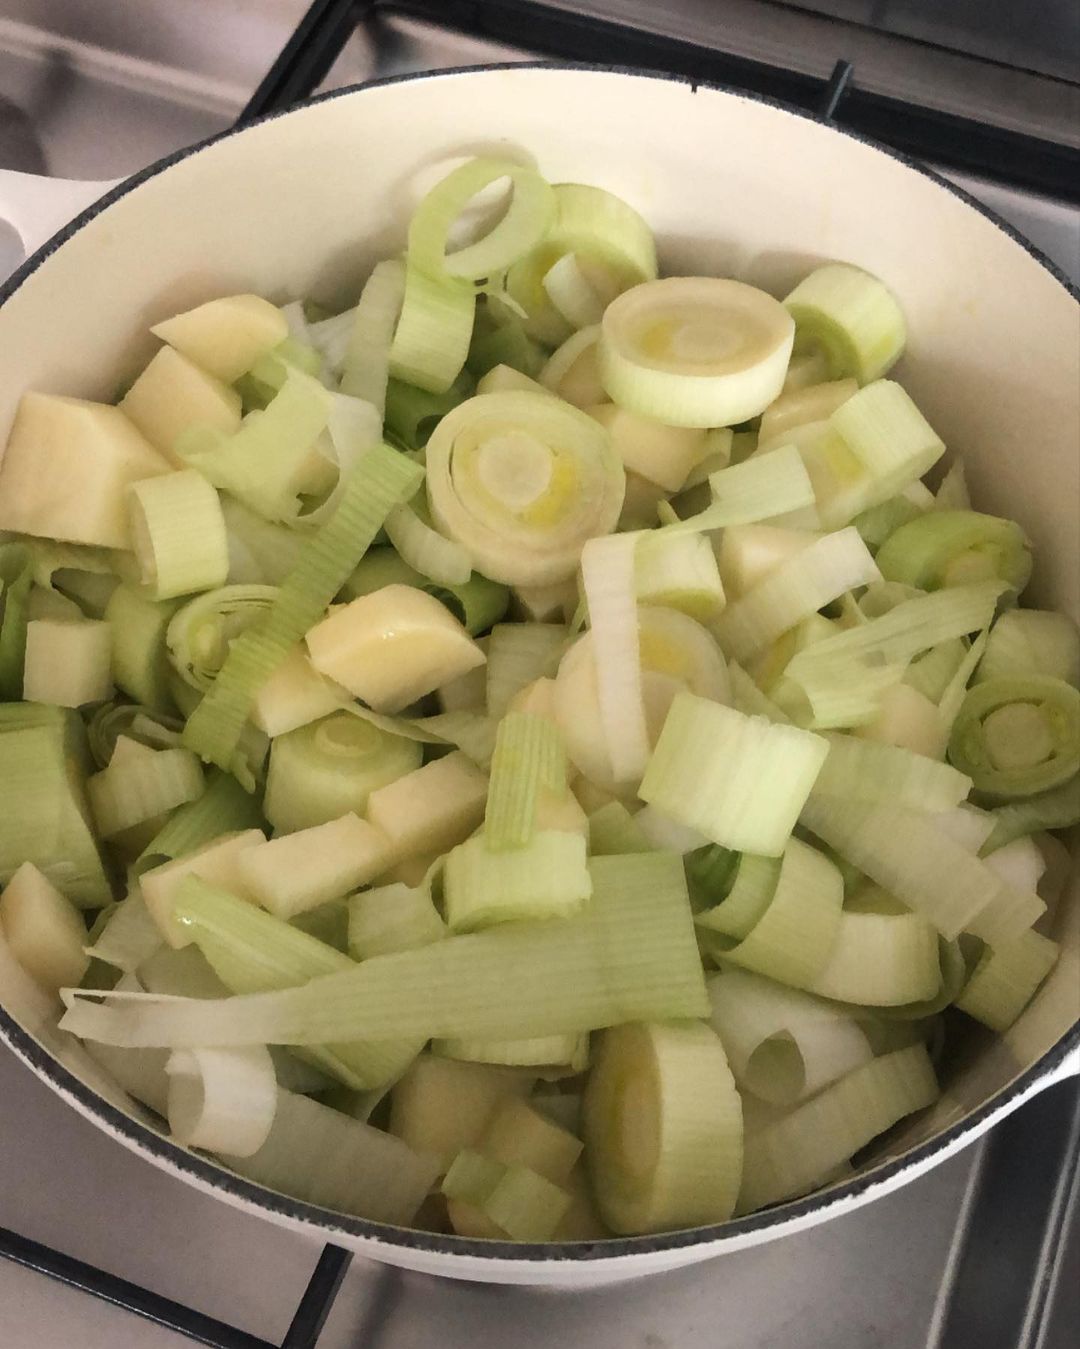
(748,553)
(661,454)
(68,662)
(226,336)
(216,864)
(173,394)
(67,468)
(392,646)
(43,929)
(293,696)
(300,871)
(432,809)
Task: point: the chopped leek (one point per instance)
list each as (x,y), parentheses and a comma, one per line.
(431,339)
(881,960)
(366,366)
(67,663)
(943,548)
(663,1128)
(741,781)
(680,572)
(141,784)
(547,878)
(1032,641)
(223,1100)
(518,654)
(1016,736)
(16,574)
(179,536)
(1055,809)
(853,317)
(1006,978)
(871,771)
(390,918)
(528,758)
(765,487)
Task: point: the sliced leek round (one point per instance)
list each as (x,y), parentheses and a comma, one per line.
(852,317)
(695,351)
(948,548)
(1018,736)
(663,1128)
(198,637)
(521,481)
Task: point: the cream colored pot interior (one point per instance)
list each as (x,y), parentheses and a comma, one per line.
(302,205)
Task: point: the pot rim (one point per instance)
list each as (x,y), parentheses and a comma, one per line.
(272,1204)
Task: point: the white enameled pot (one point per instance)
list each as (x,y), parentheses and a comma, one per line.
(303,203)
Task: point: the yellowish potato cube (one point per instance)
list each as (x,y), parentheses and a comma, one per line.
(226,336)
(173,394)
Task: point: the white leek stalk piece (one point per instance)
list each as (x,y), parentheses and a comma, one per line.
(226,336)
(871,771)
(425,550)
(298,872)
(1018,735)
(943,548)
(43,930)
(432,808)
(799,407)
(222,1100)
(529,759)
(881,960)
(521,481)
(1032,641)
(1005,979)
(1055,809)
(769,486)
(783,1045)
(68,662)
(543,1052)
(173,394)
(546,878)
(323,1157)
(695,351)
(89,447)
(607,573)
(391,647)
(907,853)
(801,1149)
(431,339)
(750,553)
(663,1128)
(630,955)
(330,767)
(141,784)
(441,1105)
(741,781)
(852,317)
(573,371)
(517,655)
(129,937)
(815,576)
(612,831)
(178,532)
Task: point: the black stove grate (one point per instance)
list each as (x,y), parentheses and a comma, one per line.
(1050,1171)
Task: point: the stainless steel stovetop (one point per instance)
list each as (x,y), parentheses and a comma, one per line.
(980,1253)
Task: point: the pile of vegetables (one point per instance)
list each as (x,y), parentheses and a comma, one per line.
(526,755)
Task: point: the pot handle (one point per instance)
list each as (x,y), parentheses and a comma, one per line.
(36,207)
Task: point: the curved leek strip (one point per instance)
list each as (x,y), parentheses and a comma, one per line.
(663,454)
(412,414)
(366,367)
(678,571)
(870,771)
(573,370)
(526,220)
(329,768)
(1006,979)
(675,652)
(881,960)
(390,918)
(528,758)
(380,481)
(907,853)
(878,522)
(607,573)
(844,676)
(261,552)
(952,975)
(521,481)
(1056,809)
(853,317)
(611,246)
(612,832)
(793,939)
(353,427)
(200,634)
(112,720)
(129,936)
(178,533)
(544,1051)
(572,294)
(1032,641)
(695,351)
(945,548)
(432,336)
(141,784)
(762,488)
(1018,736)
(741,781)
(816,575)
(427,552)
(222,1100)
(629,955)
(792,1154)
(663,1128)
(751,893)
(16,575)
(782,1045)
